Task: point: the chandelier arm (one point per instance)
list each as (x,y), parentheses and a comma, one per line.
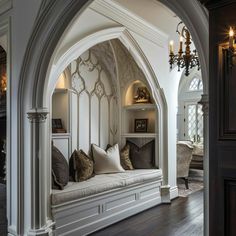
(177,28)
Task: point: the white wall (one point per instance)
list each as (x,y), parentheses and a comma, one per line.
(169,82)
(3,42)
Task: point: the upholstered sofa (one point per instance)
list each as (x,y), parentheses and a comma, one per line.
(197,157)
(184,157)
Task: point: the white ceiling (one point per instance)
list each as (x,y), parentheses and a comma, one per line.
(151,11)
(155,13)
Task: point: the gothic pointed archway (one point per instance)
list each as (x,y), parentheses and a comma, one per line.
(53,20)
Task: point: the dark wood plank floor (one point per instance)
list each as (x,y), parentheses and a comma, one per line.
(183,217)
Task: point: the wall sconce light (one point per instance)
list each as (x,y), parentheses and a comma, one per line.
(231,50)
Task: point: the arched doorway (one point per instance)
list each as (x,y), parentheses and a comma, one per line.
(37,65)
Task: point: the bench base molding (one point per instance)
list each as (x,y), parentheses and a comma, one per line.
(92,213)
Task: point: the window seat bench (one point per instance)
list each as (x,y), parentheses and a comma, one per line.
(84,207)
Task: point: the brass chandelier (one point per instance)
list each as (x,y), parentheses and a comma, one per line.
(183,59)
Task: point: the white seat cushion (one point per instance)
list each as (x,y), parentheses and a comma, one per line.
(103,182)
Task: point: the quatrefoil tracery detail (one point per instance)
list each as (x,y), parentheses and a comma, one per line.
(99,89)
(77,83)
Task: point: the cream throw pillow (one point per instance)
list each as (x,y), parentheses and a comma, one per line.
(106,161)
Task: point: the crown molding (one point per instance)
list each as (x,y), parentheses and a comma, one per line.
(131,21)
(5,5)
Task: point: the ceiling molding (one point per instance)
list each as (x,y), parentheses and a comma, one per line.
(131,21)
(5,5)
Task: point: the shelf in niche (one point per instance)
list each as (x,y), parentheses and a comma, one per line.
(60,90)
(60,134)
(141,106)
(139,135)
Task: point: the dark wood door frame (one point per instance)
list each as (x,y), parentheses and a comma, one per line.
(222,121)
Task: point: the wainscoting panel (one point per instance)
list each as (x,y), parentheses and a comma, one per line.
(227,103)
(222,121)
(89,214)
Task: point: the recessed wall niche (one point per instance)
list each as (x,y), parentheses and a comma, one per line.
(60,106)
(138,105)
(106,99)
(138,93)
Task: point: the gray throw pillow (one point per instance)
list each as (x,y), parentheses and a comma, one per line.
(60,169)
(142,157)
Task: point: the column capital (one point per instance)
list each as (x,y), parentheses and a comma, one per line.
(205,104)
(37,115)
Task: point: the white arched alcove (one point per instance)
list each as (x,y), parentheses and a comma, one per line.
(125,37)
(34,92)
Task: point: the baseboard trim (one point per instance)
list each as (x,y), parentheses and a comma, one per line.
(47,230)
(174,192)
(165,194)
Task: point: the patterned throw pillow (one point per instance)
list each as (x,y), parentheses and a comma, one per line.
(60,169)
(81,166)
(142,157)
(124,158)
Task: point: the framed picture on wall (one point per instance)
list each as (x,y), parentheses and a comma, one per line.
(57,126)
(140,125)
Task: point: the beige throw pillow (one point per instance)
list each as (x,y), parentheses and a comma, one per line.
(106,161)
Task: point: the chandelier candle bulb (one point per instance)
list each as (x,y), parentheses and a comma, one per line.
(171,47)
(231,37)
(231,49)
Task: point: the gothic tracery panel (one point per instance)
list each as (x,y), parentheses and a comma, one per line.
(96,103)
